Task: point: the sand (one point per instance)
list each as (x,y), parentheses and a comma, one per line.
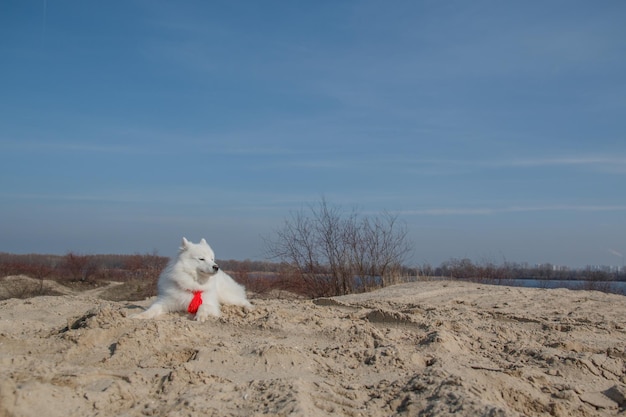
(420,349)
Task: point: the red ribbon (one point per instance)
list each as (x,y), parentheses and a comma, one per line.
(195,302)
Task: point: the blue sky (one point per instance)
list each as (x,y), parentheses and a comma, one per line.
(495,130)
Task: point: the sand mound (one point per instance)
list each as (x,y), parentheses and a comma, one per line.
(428,349)
(22,286)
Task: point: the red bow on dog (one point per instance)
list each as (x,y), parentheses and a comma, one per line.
(195,302)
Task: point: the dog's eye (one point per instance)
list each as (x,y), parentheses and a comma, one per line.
(201,259)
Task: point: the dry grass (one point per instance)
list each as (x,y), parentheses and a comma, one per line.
(21,286)
(133,290)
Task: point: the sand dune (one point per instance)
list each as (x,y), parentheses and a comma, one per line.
(427,348)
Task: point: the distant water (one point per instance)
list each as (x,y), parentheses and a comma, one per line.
(615,287)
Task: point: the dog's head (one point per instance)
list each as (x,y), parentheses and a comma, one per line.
(200,257)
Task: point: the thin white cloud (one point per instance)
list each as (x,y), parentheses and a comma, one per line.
(598,163)
(142,144)
(435,166)
(575,160)
(613,164)
(61,146)
(468,211)
(103,197)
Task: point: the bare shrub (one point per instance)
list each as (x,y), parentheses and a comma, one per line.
(79,267)
(332,253)
(21,286)
(140,274)
(291,280)
(130,290)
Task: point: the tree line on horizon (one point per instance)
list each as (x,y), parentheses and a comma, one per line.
(318,251)
(261,276)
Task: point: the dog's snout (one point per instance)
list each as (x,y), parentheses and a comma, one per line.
(215,268)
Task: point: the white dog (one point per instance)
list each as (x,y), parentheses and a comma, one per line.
(194,283)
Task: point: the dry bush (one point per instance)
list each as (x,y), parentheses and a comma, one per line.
(287,280)
(259,283)
(34,266)
(334,253)
(131,290)
(32,283)
(603,286)
(139,274)
(79,267)
(291,280)
(21,286)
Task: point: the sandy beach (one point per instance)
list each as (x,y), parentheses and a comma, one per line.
(420,349)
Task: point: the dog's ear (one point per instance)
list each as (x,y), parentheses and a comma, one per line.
(185,244)
(203,242)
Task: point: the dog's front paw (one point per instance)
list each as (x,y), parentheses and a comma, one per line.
(204,317)
(207,310)
(150,313)
(201,318)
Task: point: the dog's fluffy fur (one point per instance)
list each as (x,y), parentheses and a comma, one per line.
(194,269)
